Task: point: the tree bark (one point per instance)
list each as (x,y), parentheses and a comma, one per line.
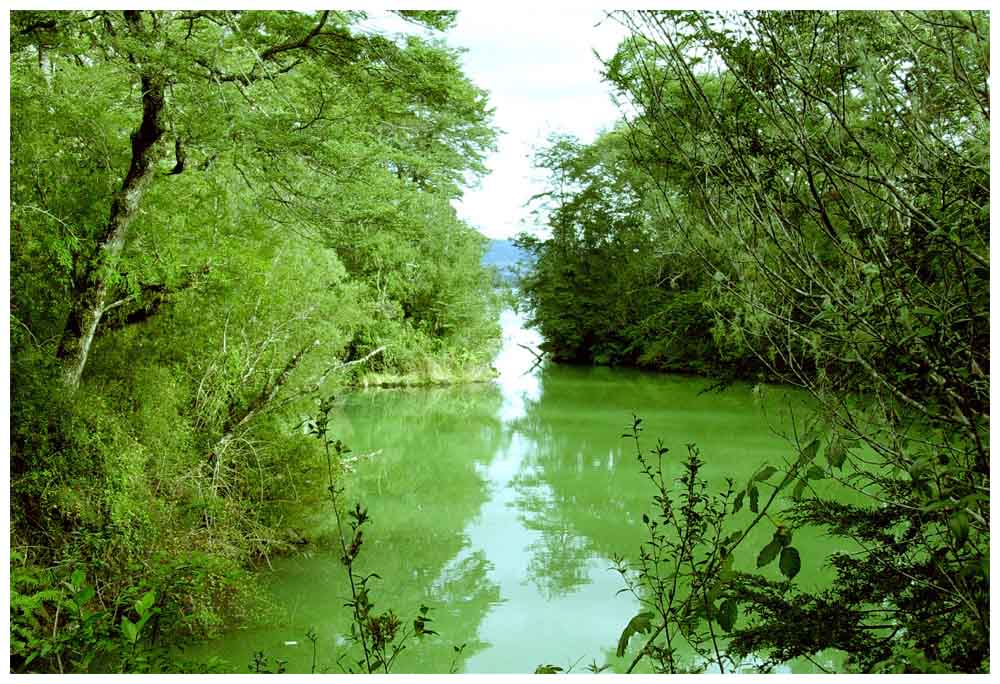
(91,295)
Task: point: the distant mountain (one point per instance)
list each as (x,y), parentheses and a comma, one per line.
(505,256)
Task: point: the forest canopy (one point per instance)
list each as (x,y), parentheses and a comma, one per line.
(803,198)
(221,221)
(215,215)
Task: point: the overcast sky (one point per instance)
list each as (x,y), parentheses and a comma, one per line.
(539,69)
(542,77)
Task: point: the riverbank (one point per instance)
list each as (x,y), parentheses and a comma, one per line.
(500,505)
(433,376)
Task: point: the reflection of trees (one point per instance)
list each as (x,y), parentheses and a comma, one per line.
(422,488)
(596,489)
(574,489)
(464,593)
(559,556)
(582,490)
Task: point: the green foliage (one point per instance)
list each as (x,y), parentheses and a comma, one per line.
(640,624)
(61,623)
(614,284)
(294,218)
(382,636)
(816,184)
(686,567)
(683,573)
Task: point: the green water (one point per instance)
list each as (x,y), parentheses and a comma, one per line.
(500,507)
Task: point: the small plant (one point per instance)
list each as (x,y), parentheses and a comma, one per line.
(684,578)
(382,636)
(79,631)
(131,631)
(259,664)
(594,668)
(458,649)
(312,637)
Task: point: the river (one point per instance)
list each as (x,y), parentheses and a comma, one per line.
(500,506)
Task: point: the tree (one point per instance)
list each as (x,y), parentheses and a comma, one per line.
(254,86)
(615,283)
(837,165)
(214,216)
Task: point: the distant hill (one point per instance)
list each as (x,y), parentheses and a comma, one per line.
(505,257)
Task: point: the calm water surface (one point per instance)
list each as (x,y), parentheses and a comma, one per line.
(500,507)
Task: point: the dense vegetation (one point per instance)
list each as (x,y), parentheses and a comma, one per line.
(802,197)
(613,285)
(214,217)
(221,218)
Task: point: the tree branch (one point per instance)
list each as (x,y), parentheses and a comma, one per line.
(302,43)
(150,298)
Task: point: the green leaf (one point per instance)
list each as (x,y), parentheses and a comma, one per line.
(77,578)
(129,630)
(809,452)
(548,669)
(83,596)
(754,497)
(768,553)
(726,615)
(143,605)
(641,623)
(790,562)
(765,473)
(836,454)
(738,502)
(958,524)
(815,473)
(800,487)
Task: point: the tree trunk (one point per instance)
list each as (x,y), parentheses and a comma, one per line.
(92,295)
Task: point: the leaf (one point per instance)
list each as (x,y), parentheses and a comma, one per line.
(129,630)
(738,502)
(765,473)
(800,487)
(83,596)
(790,562)
(641,623)
(726,615)
(836,454)
(548,669)
(77,578)
(768,553)
(754,498)
(958,524)
(143,605)
(815,473)
(809,452)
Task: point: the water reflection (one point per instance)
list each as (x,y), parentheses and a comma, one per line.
(518,376)
(500,506)
(558,597)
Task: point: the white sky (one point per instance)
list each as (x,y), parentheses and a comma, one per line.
(542,77)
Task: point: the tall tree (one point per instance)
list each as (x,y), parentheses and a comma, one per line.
(838,163)
(222,82)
